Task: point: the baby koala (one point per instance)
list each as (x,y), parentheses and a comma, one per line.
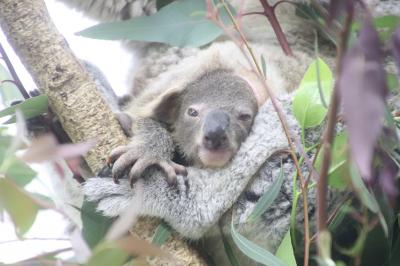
(204,121)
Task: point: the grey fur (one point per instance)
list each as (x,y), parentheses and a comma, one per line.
(204,196)
(195,207)
(110,10)
(218,90)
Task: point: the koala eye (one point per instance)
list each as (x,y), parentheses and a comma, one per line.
(192,112)
(244,116)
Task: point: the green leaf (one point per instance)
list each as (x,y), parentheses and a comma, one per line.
(254,251)
(268,198)
(163,232)
(107,254)
(8,91)
(30,108)
(307,105)
(4,144)
(339,173)
(385,25)
(181,23)
(393,82)
(21,208)
(365,196)
(229,252)
(285,251)
(263,66)
(395,254)
(340,216)
(94,225)
(161,3)
(20,172)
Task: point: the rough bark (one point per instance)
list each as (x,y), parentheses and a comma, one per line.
(73,96)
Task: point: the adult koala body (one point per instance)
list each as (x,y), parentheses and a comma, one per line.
(197,202)
(195,205)
(207,103)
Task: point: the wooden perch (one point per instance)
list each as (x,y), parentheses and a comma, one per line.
(73,96)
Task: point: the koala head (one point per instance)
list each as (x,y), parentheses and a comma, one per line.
(211,117)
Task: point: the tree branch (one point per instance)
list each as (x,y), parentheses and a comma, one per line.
(73,96)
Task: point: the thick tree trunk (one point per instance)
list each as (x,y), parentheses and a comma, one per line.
(73,95)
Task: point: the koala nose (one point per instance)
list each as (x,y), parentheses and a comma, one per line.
(215,126)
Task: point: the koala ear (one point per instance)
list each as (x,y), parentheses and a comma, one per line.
(167,106)
(256,86)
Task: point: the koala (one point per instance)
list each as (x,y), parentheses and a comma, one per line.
(207,200)
(208,120)
(211,109)
(201,104)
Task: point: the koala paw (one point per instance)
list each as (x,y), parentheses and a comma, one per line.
(138,160)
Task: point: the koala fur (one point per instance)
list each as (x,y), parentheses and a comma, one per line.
(145,109)
(200,199)
(195,205)
(207,196)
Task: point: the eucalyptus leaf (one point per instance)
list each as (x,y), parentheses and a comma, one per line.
(307,106)
(30,108)
(163,232)
(285,251)
(365,196)
(229,252)
(94,225)
(20,172)
(162,3)
(263,66)
(9,92)
(392,82)
(385,25)
(268,198)
(339,173)
(180,23)
(254,251)
(107,254)
(5,141)
(21,208)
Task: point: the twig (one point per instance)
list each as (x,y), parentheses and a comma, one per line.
(281,2)
(237,28)
(252,13)
(43,255)
(14,75)
(330,129)
(33,239)
(270,14)
(285,128)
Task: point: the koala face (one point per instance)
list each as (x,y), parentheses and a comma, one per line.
(215,116)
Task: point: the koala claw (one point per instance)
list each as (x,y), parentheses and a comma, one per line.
(170,168)
(115,154)
(124,157)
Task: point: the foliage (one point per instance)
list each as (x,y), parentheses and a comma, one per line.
(308,107)
(254,251)
(361,158)
(180,23)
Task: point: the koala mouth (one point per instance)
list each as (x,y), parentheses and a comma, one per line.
(214,157)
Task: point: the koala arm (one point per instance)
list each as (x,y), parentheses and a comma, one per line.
(151,145)
(198,200)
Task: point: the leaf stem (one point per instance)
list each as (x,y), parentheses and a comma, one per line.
(330,129)
(270,14)
(13,73)
(283,121)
